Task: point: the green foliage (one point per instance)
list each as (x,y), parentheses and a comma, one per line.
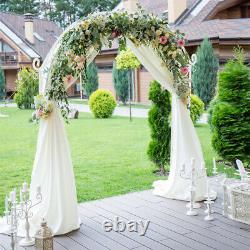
(27,88)
(197,108)
(126,59)
(121,83)
(102,103)
(20,6)
(231,112)
(92,83)
(2,84)
(159,146)
(204,76)
(141,28)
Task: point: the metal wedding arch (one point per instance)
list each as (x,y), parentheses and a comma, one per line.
(161,52)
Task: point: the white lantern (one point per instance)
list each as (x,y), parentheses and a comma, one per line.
(44,237)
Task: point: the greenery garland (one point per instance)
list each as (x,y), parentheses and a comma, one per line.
(89,34)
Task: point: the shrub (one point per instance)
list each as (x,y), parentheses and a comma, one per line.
(121,83)
(102,103)
(159,146)
(231,112)
(27,88)
(92,83)
(197,108)
(2,84)
(205,72)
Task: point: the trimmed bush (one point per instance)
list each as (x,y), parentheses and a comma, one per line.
(231,112)
(197,108)
(159,146)
(102,103)
(27,88)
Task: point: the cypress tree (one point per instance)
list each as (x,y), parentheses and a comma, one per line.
(205,72)
(230,117)
(2,84)
(92,82)
(120,83)
(159,146)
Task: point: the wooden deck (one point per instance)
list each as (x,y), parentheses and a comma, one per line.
(169,227)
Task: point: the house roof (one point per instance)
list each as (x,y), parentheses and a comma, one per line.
(46,32)
(197,25)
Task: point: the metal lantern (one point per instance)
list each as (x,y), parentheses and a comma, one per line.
(44,237)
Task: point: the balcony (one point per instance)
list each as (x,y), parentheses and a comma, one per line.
(8,59)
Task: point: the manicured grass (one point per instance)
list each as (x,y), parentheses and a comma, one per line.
(109,156)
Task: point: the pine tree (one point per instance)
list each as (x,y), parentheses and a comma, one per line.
(230,115)
(120,83)
(159,147)
(92,83)
(205,72)
(2,84)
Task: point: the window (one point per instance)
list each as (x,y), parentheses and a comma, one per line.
(4,47)
(105,67)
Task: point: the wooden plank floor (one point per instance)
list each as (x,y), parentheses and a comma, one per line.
(169,227)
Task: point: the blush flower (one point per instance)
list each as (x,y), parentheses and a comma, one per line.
(184,70)
(163,40)
(181,43)
(80,59)
(68,80)
(39,113)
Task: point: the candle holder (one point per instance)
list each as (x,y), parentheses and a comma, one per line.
(192,175)
(25,213)
(11,217)
(209,210)
(15,210)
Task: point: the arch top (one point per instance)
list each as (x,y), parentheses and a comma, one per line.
(80,43)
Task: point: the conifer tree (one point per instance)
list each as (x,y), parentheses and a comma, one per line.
(2,84)
(92,83)
(230,115)
(204,76)
(159,146)
(120,83)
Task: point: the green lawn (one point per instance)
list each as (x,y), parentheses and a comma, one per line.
(109,156)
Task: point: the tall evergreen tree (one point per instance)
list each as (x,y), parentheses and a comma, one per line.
(120,83)
(21,6)
(159,146)
(230,116)
(205,72)
(92,83)
(2,84)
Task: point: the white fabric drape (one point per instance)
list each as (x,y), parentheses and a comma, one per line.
(184,140)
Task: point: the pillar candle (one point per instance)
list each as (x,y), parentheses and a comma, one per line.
(25,187)
(21,195)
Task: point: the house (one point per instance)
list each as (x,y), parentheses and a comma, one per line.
(23,38)
(225,22)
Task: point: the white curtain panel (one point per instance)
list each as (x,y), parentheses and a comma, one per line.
(184,140)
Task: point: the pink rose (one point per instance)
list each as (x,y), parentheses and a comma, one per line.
(184,70)
(68,80)
(80,65)
(181,43)
(115,34)
(39,113)
(163,40)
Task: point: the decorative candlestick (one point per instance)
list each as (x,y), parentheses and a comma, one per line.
(21,210)
(208,201)
(11,217)
(26,205)
(192,175)
(209,216)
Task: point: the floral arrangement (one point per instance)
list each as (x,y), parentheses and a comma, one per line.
(88,35)
(43,108)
